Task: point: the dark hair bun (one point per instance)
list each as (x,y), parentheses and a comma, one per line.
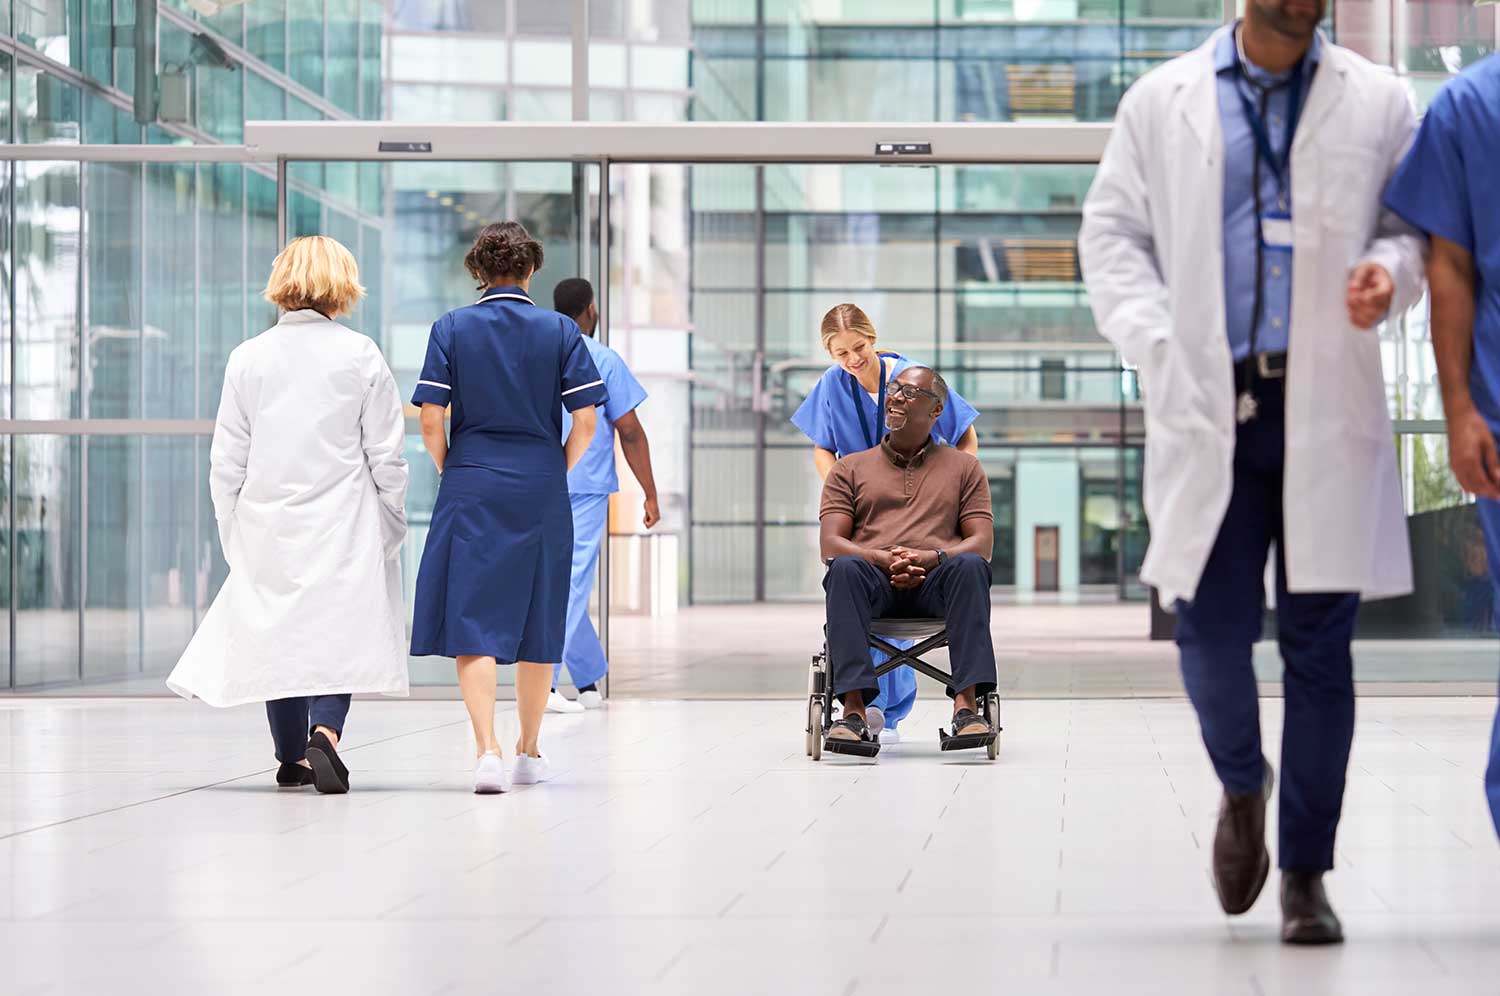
(504,250)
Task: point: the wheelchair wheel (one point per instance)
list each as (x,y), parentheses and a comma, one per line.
(992,716)
(815,727)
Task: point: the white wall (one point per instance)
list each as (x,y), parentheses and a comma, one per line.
(1046,495)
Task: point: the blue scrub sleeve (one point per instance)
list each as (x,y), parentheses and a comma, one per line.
(957,416)
(582,387)
(436,384)
(815,418)
(1430,190)
(625,392)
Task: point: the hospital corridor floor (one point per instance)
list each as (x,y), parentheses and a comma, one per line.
(692,847)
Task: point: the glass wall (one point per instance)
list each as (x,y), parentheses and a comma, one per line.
(126,285)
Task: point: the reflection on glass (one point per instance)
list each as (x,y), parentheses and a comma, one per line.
(169,492)
(112,616)
(48,560)
(46,278)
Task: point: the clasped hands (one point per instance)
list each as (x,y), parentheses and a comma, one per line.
(907,568)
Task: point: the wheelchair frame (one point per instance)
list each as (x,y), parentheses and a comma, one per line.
(931,634)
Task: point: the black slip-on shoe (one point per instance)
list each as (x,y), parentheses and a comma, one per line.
(1241,860)
(329,774)
(293,776)
(1306,915)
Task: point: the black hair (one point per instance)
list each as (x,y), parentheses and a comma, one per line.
(572,297)
(503,251)
(939,385)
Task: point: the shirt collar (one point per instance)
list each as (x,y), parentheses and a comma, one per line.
(508,292)
(1226,55)
(303,316)
(898,460)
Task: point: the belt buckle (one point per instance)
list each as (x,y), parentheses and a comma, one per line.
(1264,369)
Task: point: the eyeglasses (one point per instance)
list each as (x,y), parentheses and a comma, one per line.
(909,392)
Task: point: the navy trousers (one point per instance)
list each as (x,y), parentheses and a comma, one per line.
(1216,631)
(957,591)
(293,720)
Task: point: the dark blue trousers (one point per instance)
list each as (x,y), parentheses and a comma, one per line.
(957,591)
(1489,520)
(293,720)
(1215,633)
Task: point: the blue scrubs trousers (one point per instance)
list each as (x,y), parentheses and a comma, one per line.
(898,689)
(1489,520)
(583,654)
(1215,634)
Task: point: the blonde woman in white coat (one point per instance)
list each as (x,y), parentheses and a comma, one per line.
(309,489)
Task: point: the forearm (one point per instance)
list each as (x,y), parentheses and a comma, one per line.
(1453,332)
(580,436)
(637,450)
(435,435)
(842,546)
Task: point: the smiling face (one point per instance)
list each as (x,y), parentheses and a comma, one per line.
(911,406)
(854,352)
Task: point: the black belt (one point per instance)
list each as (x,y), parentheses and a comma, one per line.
(1265,366)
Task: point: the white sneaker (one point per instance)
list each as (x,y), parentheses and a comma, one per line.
(531,770)
(890,736)
(490,776)
(875,720)
(591,700)
(556,703)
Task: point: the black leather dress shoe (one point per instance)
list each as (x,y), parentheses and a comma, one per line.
(293,776)
(330,777)
(1241,861)
(1306,916)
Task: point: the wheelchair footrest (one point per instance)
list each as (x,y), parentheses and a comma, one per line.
(971,741)
(854,747)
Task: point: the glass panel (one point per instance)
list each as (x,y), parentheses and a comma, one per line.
(265,34)
(174,280)
(169,562)
(47,109)
(112,611)
(48,560)
(115,247)
(342,42)
(47,289)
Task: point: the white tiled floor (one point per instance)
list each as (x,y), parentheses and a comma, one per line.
(690,847)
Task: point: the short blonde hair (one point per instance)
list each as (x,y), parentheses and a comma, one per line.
(314,272)
(847,318)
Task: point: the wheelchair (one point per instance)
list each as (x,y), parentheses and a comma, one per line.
(930,634)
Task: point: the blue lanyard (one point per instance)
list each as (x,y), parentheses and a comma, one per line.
(857,393)
(1280,165)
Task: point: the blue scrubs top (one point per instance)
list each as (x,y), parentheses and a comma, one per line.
(1449,186)
(594,474)
(498,391)
(839,416)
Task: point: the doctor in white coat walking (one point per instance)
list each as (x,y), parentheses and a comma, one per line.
(309,489)
(1236,252)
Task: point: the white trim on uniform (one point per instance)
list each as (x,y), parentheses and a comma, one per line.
(496,297)
(433,383)
(581,387)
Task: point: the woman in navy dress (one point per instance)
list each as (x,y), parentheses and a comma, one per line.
(493,583)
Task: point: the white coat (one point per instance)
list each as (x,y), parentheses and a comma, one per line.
(309,489)
(1151,249)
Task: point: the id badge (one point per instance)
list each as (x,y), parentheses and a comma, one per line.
(1276,231)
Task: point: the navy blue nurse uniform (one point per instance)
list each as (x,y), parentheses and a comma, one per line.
(494,575)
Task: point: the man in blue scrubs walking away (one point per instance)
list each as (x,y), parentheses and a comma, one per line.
(589,486)
(1448,188)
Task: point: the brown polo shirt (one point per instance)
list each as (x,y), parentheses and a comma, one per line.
(898,502)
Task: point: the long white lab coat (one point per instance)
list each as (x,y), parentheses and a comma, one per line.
(1151,248)
(309,489)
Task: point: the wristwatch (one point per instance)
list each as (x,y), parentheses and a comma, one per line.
(942,557)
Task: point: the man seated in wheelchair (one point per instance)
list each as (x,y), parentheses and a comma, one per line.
(907,531)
